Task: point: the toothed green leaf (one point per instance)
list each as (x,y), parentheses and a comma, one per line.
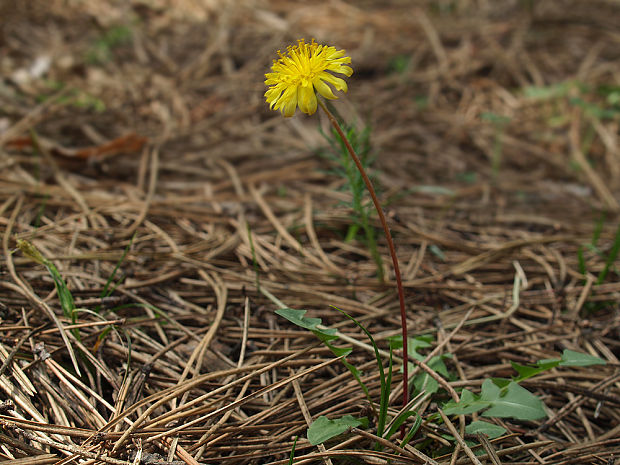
(323,429)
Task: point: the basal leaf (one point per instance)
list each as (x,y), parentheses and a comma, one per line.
(548,363)
(339,351)
(526,371)
(400,420)
(424,382)
(570,358)
(490,391)
(298,318)
(491,430)
(501,382)
(510,402)
(469,403)
(323,429)
(517,402)
(413,344)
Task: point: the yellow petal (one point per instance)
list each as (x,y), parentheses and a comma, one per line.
(338,83)
(306,99)
(272,96)
(339,68)
(288,102)
(323,88)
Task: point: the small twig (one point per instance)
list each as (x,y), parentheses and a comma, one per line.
(458,438)
(307,416)
(73,449)
(412,453)
(486,444)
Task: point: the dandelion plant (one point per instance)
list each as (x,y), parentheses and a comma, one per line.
(296,78)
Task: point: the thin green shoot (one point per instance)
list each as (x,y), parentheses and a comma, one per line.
(254,260)
(385,388)
(593,246)
(413,430)
(326,335)
(581,262)
(598,229)
(611,257)
(362,209)
(37,219)
(101,51)
(499,123)
(292,456)
(106,291)
(65,297)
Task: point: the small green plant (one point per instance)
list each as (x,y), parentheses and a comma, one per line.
(292,456)
(324,428)
(600,103)
(101,50)
(110,285)
(499,123)
(362,209)
(326,335)
(75,98)
(499,397)
(254,259)
(610,258)
(399,64)
(505,398)
(64,294)
(423,382)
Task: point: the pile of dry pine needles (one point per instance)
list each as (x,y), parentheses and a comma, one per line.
(138,156)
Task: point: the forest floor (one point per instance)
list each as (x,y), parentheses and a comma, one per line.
(175,213)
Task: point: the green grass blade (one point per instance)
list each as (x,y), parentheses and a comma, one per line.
(106,292)
(398,422)
(382,411)
(30,251)
(356,374)
(414,429)
(598,229)
(292,456)
(64,294)
(581,261)
(254,260)
(385,399)
(611,258)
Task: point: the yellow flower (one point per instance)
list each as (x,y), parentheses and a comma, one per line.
(305,68)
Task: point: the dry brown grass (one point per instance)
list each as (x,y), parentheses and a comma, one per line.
(162,144)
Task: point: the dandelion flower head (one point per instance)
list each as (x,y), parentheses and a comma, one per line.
(304,69)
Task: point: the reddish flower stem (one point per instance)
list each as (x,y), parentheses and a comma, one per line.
(388,236)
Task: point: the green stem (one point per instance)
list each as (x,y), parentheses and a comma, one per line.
(390,242)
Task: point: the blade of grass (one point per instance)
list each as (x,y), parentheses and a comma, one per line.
(64,294)
(381,421)
(292,456)
(254,260)
(25,290)
(105,291)
(611,258)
